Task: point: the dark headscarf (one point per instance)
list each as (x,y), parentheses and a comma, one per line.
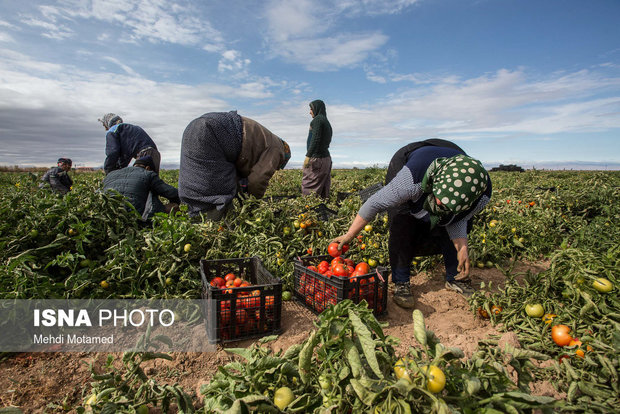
(318,107)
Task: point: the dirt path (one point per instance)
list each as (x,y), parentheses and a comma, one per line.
(44,382)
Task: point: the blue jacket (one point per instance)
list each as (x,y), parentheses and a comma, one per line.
(124,142)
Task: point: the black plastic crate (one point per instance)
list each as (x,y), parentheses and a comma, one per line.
(235,313)
(367,192)
(317,292)
(324,213)
(341,196)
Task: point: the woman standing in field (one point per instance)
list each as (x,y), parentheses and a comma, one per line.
(318,163)
(432,191)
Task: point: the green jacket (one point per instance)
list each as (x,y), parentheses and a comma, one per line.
(320,135)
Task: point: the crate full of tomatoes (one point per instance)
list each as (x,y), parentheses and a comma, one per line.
(243,300)
(322,281)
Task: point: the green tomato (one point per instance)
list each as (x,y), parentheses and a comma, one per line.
(283,397)
(325,382)
(602,285)
(534,310)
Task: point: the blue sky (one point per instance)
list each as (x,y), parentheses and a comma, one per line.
(531,82)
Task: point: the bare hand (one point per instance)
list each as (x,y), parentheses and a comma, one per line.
(464,264)
(462,255)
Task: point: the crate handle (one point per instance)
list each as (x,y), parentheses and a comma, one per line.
(379,275)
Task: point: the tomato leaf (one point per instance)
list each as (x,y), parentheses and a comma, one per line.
(368,344)
(419,330)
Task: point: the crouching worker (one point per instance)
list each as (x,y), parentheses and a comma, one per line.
(58,177)
(432,191)
(220,149)
(142,186)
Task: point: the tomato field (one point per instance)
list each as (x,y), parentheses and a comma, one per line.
(566,317)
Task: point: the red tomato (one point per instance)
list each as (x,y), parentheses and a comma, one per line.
(230,276)
(333,251)
(323,267)
(362,268)
(350,269)
(242,317)
(230,283)
(218,282)
(339,270)
(335,261)
(269,301)
(328,274)
(313,268)
(237,282)
(349,262)
(245,284)
(309,251)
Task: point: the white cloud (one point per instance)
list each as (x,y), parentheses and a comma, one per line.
(290,19)
(373,7)
(50,29)
(233,61)
(331,53)
(123,66)
(154,20)
(7,38)
(309,33)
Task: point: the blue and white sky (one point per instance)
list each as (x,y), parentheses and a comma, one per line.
(531,82)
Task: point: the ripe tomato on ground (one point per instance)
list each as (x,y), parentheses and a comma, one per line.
(561,335)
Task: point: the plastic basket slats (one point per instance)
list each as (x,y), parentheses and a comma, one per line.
(241,312)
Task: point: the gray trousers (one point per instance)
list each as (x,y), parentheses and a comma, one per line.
(317,177)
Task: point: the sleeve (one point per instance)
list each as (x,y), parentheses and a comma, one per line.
(112,152)
(45,179)
(398,191)
(458,230)
(258,179)
(315,139)
(159,187)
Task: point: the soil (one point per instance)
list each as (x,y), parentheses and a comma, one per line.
(55,382)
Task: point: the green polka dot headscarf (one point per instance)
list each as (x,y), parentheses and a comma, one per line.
(456,181)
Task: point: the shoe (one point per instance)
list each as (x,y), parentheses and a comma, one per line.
(461,286)
(403,297)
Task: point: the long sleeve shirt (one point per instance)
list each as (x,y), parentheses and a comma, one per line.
(406,187)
